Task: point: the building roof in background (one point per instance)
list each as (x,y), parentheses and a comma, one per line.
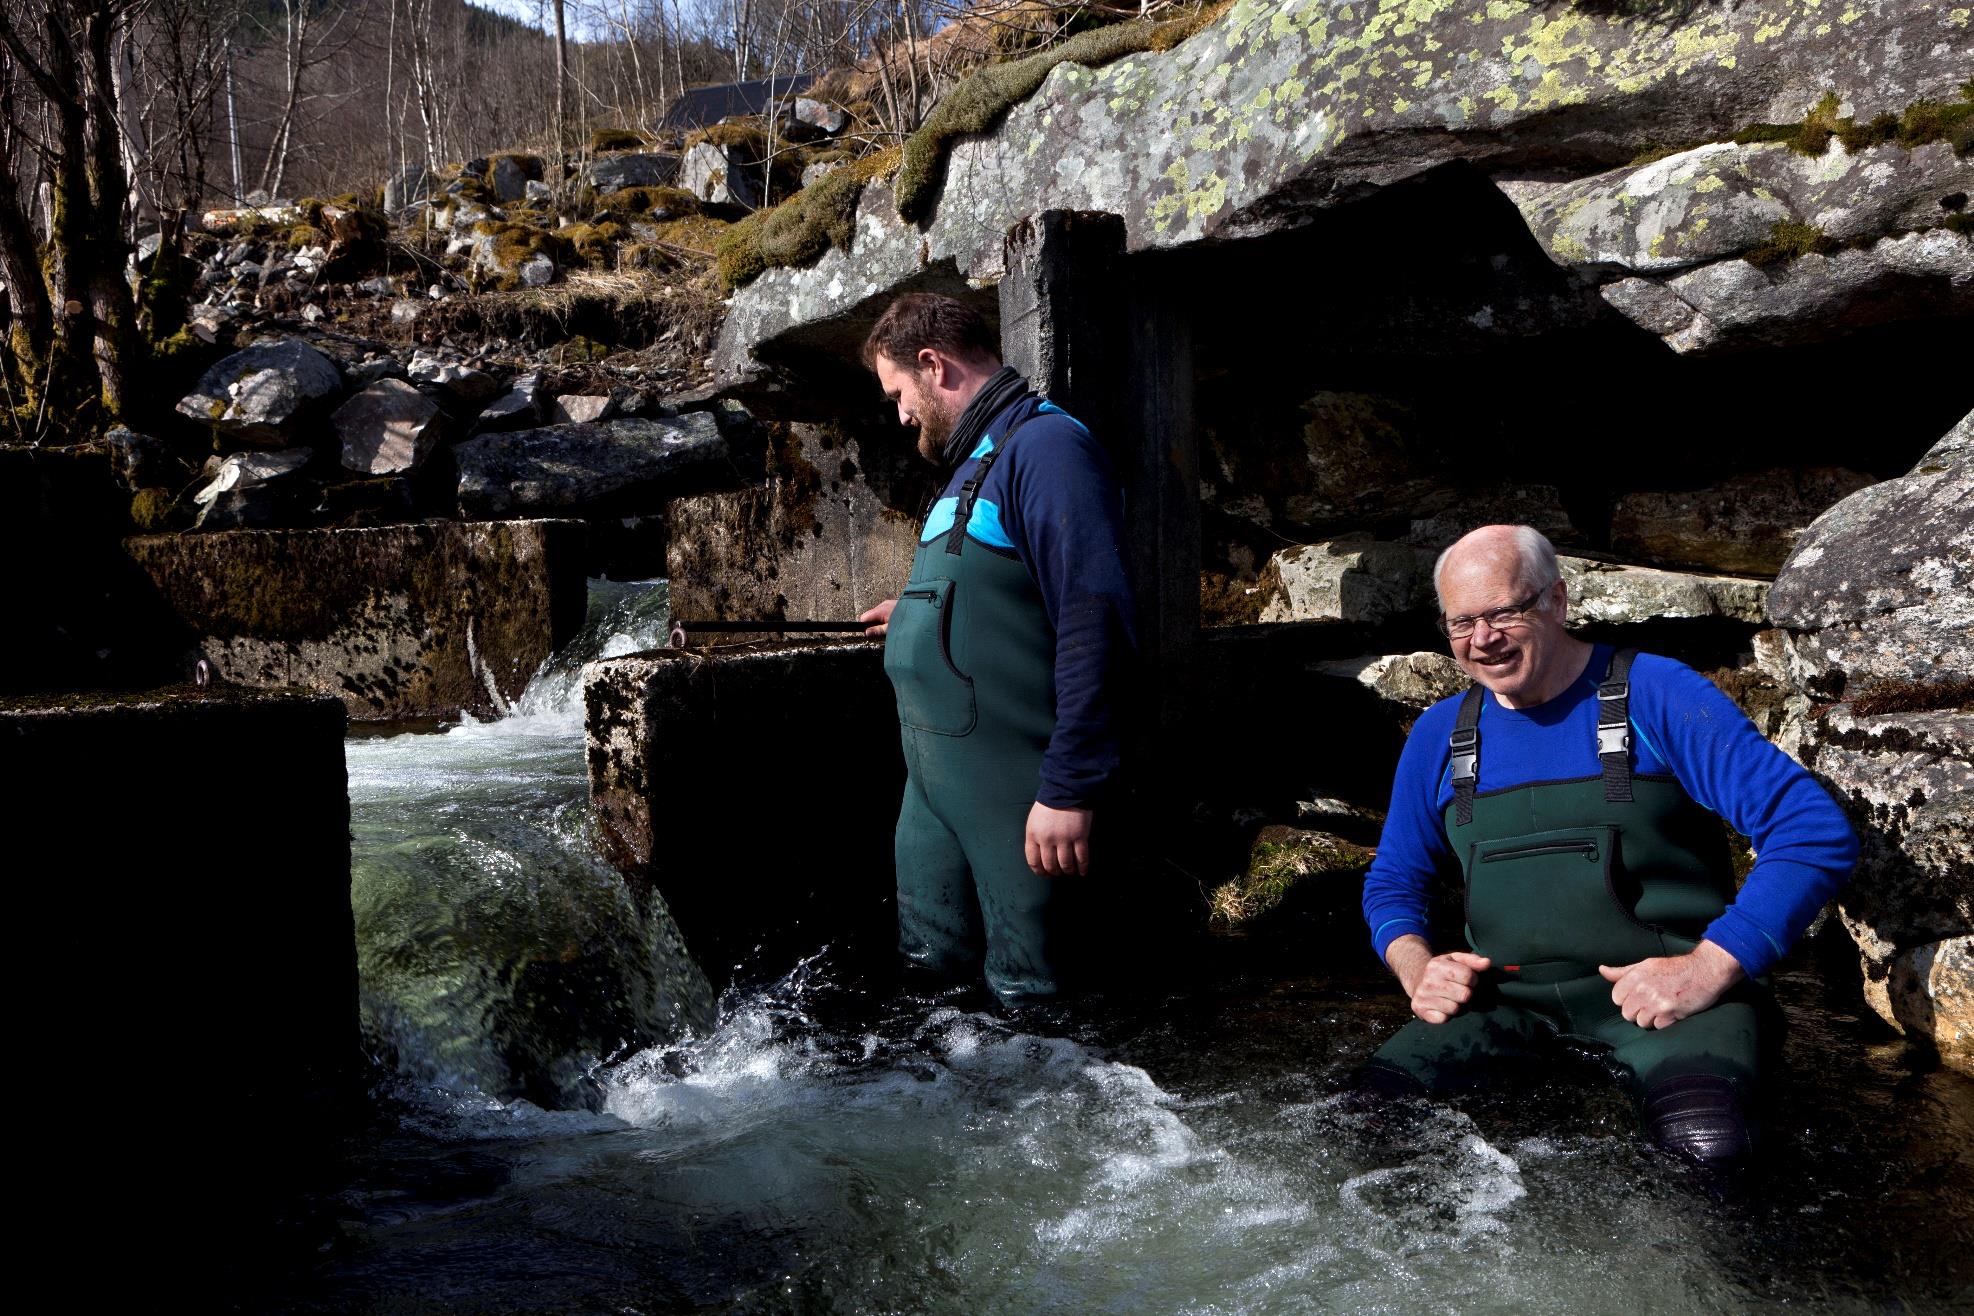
(703,105)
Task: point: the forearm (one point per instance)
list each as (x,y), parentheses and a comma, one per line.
(1407,957)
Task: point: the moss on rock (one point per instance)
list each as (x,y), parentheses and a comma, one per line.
(618,139)
(799,230)
(1788,240)
(978,103)
(645,200)
(1283,859)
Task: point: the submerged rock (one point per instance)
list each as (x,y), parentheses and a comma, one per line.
(619,467)
(265,396)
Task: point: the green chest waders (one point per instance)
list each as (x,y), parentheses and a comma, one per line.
(1563,876)
(971,657)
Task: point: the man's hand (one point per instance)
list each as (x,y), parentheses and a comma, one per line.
(1440,985)
(878,619)
(1659,992)
(1058,841)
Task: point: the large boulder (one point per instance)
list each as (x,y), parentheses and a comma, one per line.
(509,174)
(388,428)
(266,396)
(621,169)
(1346,580)
(619,467)
(1624,595)
(1881,587)
(1410,682)
(1280,109)
(1746,524)
(723,175)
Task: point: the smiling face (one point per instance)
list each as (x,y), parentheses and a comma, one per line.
(1524,664)
(920,402)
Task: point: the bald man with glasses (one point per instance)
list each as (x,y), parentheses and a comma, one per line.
(1578,790)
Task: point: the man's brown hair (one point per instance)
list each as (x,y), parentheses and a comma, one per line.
(919,320)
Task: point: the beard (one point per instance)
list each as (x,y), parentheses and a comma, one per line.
(935,426)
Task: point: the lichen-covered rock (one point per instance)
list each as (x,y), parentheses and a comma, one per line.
(1724,200)
(722,175)
(1606,592)
(581,408)
(1930,995)
(388,428)
(1288,865)
(1346,580)
(1410,681)
(1746,524)
(1280,108)
(265,396)
(253,490)
(1881,586)
(620,467)
(620,169)
(509,174)
(1735,304)
(518,408)
(467,383)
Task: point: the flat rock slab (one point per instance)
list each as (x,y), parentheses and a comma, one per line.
(184,858)
(411,621)
(1604,592)
(626,467)
(387,429)
(754,788)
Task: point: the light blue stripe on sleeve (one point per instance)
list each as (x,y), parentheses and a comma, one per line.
(985,525)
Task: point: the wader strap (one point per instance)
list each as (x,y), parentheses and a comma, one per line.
(1463,753)
(963,507)
(1614,727)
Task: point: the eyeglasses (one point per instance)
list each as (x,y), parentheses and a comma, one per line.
(1500,619)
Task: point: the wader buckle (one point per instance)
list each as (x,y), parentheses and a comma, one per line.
(1615,690)
(1464,744)
(1614,740)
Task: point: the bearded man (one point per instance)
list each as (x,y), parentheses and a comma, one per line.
(1580,790)
(1006,650)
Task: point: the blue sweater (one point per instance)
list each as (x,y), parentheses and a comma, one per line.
(1051,501)
(1682,724)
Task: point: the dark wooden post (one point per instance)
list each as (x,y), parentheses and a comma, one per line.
(1116,352)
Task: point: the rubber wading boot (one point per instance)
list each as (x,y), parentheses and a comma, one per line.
(1700,1117)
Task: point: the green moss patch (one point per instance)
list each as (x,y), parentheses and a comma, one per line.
(742,136)
(618,139)
(515,244)
(648,200)
(531,166)
(980,102)
(595,244)
(1282,861)
(1920,123)
(799,230)
(1788,240)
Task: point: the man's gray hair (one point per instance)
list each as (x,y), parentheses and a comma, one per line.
(1536,567)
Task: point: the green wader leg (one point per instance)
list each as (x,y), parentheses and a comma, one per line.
(1462,1053)
(938,923)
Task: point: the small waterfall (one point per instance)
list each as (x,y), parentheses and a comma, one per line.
(498,953)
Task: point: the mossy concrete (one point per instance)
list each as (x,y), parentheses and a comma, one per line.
(755,788)
(412,621)
(1280,108)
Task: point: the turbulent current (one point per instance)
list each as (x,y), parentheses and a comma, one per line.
(570,1124)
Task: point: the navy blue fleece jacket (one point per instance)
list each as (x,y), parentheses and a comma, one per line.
(1051,500)
(1684,725)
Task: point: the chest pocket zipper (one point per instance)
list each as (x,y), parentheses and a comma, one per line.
(1585,848)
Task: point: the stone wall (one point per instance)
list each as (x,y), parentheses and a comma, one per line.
(426,620)
(754,789)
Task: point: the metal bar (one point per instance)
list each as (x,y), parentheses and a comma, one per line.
(778,627)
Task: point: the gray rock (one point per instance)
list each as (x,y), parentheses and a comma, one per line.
(140,460)
(1746,524)
(621,467)
(410,185)
(1279,109)
(365,373)
(1881,586)
(456,377)
(1346,580)
(1412,681)
(252,490)
(518,408)
(538,193)
(264,396)
(387,429)
(822,169)
(1538,505)
(721,176)
(405,312)
(1605,592)
(537,271)
(508,175)
(377,286)
(463,213)
(580,408)
(1724,200)
(618,169)
(1930,997)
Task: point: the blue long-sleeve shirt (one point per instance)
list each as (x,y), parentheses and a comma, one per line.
(1682,724)
(1052,500)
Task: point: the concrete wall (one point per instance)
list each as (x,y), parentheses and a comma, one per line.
(754,788)
(407,621)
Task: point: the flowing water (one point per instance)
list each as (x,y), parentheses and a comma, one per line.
(810,1146)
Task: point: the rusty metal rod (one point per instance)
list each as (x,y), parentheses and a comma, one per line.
(705,624)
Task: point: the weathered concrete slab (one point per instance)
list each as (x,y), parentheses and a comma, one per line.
(755,788)
(426,620)
(829,534)
(182,866)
